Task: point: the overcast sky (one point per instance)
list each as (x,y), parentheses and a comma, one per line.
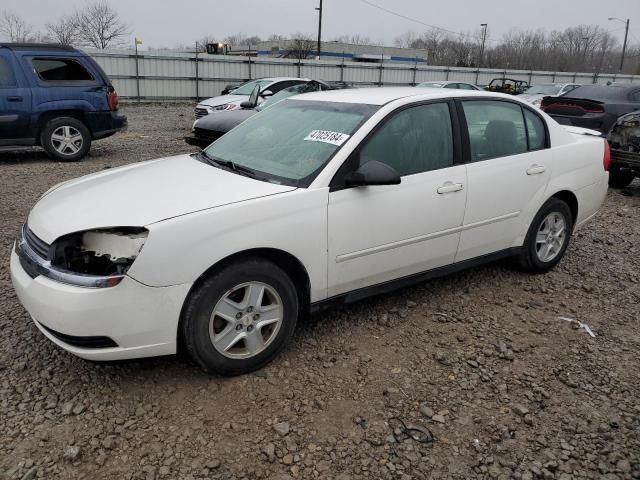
(170,22)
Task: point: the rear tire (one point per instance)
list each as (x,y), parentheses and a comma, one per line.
(240,317)
(66,139)
(620,178)
(548,237)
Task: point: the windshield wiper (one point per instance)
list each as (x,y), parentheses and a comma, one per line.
(241,169)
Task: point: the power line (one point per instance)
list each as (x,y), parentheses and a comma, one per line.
(400,15)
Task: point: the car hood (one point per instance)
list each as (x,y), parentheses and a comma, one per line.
(141,194)
(224,121)
(532,97)
(223,99)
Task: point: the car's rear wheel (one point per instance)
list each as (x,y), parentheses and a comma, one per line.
(240,317)
(66,139)
(619,178)
(548,237)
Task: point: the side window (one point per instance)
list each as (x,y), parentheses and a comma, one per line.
(7,78)
(452,85)
(535,130)
(466,86)
(635,96)
(496,129)
(414,140)
(60,70)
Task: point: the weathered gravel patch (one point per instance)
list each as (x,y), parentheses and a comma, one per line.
(479,358)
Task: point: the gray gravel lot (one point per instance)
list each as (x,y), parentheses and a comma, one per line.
(479,358)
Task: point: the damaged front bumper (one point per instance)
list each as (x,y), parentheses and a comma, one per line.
(624,139)
(129,320)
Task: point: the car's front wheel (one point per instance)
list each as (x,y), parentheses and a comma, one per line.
(240,317)
(66,139)
(548,237)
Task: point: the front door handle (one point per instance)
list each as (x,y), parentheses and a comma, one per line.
(536,169)
(450,187)
(14,99)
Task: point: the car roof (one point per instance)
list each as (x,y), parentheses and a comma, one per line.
(280,79)
(39,47)
(384,95)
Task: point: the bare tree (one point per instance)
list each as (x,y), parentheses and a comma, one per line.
(64,30)
(241,39)
(354,39)
(14,28)
(276,37)
(100,26)
(301,46)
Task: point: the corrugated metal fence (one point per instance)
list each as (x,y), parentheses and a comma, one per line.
(176,76)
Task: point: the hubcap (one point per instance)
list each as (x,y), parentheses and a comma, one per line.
(66,140)
(246,320)
(550,237)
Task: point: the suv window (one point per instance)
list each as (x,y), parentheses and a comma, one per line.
(496,129)
(414,140)
(7,78)
(60,70)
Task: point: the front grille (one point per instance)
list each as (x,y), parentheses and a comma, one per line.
(37,245)
(201,112)
(205,134)
(82,342)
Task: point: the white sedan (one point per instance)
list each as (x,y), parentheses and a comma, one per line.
(323,198)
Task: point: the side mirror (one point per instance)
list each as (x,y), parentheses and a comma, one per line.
(247,104)
(373,173)
(266,93)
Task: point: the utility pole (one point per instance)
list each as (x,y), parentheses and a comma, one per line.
(319,9)
(624,45)
(626,36)
(484,39)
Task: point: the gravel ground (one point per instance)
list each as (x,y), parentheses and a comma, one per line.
(480,359)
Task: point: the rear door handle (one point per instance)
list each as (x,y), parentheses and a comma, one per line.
(14,99)
(450,187)
(536,169)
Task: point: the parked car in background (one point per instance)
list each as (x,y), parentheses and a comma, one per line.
(599,107)
(232,100)
(507,85)
(624,138)
(536,93)
(448,84)
(56,97)
(322,198)
(211,127)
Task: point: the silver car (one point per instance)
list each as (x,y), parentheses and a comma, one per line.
(449,84)
(536,93)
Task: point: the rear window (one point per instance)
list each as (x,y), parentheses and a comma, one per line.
(60,70)
(598,92)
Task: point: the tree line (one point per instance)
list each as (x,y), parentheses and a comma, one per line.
(583,48)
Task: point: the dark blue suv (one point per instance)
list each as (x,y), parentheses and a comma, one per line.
(57,97)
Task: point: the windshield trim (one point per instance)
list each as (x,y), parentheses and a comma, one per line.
(367,109)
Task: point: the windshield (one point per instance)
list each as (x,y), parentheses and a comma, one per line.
(291,141)
(543,90)
(431,84)
(289,92)
(248,87)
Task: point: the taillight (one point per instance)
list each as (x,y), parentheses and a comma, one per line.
(112,98)
(606,160)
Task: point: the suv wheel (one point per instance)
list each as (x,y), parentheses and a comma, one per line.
(620,178)
(548,237)
(66,139)
(240,318)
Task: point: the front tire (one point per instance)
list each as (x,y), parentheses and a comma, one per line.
(240,317)
(620,178)
(66,139)
(548,237)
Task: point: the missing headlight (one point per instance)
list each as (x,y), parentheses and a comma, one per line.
(101,252)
